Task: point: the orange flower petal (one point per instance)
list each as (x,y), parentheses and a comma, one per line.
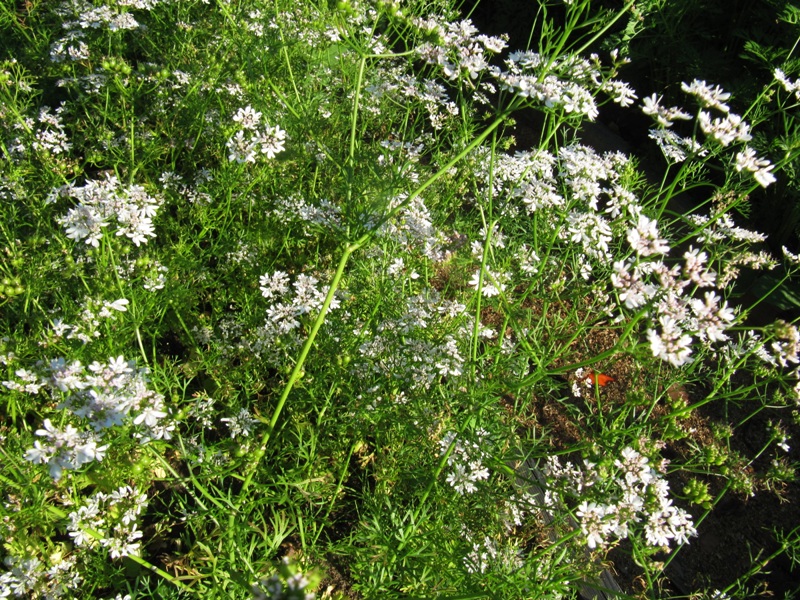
(599,378)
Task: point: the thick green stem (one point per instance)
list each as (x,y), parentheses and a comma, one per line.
(298,371)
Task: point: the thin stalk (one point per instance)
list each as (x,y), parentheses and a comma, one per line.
(487,244)
(606,354)
(435,177)
(338,489)
(712,395)
(203,491)
(429,488)
(27,32)
(642,561)
(297,372)
(286,57)
(608,26)
(354,113)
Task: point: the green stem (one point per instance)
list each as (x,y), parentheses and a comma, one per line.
(428,489)
(608,26)
(297,372)
(286,57)
(712,395)
(487,244)
(336,494)
(354,113)
(295,376)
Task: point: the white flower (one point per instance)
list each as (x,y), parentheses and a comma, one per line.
(780,76)
(84,222)
(707,96)
(241,424)
(764,177)
(150,415)
(241,149)
(466,462)
(591,517)
(274,285)
(712,319)
(38,454)
(247,117)
(119,365)
(396,267)
(272,141)
(672,344)
(651,105)
(633,292)
(760,167)
(90,451)
(644,238)
(491,287)
(620,92)
(120,305)
(675,147)
(99,201)
(664,116)
(792,258)
(725,130)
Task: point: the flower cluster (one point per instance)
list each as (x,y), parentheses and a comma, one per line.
(65,449)
(324,213)
(393,82)
(93,313)
(492,283)
(241,424)
(102,395)
(110,521)
(413,227)
(610,503)
(761,168)
(30,577)
(785,347)
(730,245)
(580,196)
(675,148)
(188,192)
(80,17)
(302,298)
(665,117)
(676,314)
(291,303)
(48,134)
(293,588)
(576,194)
(466,461)
(253,138)
(97,17)
(101,201)
(151,273)
(724,130)
(568,83)
(498,551)
(406,348)
(458,48)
